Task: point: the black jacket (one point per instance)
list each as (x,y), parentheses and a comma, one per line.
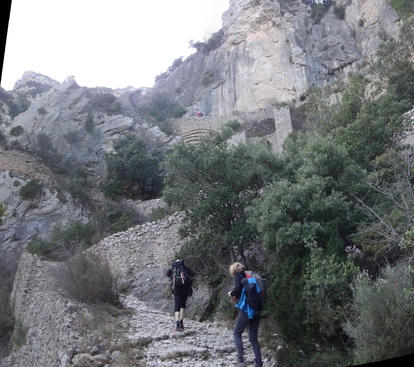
(238,286)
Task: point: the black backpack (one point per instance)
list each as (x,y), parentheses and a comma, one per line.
(261,282)
(180,277)
(254,298)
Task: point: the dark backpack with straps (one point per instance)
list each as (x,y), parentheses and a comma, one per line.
(254,288)
(180,277)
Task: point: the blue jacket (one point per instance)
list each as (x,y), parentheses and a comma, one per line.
(242,303)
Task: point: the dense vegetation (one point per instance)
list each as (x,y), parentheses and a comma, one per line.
(333,213)
(133,163)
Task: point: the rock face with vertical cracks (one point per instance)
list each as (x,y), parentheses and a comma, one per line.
(270,54)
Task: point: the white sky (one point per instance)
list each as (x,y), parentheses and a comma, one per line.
(109,43)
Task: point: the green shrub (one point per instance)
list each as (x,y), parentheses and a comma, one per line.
(122,223)
(103,100)
(19,334)
(115,218)
(77,186)
(3,209)
(17,108)
(404,8)
(16,131)
(165,127)
(31,190)
(215,40)
(403,85)
(327,295)
(234,125)
(106,102)
(86,277)
(65,242)
(339,12)
(199,46)
(68,241)
(114,188)
(159,213)
(208,77)
(114,108)
(40,247)
(179,112)
(45,150)
(212,43)
(41,111)
(136,164)
(317,13)
(175,64)
(382,326)
(160,107)
(89,125)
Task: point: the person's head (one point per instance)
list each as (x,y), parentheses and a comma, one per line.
(236,268)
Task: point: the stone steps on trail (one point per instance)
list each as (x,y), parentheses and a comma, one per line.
(201,344)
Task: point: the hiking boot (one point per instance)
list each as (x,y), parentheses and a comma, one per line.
(181,325)
(177,326)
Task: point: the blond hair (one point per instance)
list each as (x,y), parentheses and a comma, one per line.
(236,268)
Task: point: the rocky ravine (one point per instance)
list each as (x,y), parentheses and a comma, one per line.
(56,331)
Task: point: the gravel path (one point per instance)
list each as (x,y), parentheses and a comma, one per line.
(201,344)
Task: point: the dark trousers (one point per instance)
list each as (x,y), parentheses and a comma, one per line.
(241,323)
(180,298)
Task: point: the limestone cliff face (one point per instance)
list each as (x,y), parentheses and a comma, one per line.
(80,123)
(271,54)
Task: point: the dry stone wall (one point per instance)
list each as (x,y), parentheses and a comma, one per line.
(150,245)
(50,329)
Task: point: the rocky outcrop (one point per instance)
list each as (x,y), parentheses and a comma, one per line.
(28,218)
(270,54)
(81,125)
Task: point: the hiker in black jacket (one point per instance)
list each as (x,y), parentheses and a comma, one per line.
(246,317)
(181,279)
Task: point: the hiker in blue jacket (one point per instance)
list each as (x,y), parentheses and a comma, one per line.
(247,317)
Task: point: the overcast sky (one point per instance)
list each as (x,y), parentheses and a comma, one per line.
(104,42)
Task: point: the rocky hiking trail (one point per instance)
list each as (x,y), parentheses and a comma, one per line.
(201,344)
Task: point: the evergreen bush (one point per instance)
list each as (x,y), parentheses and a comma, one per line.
(31,190)
(382,326)
(16,131)
(339,12)
(40,247)
(404,8)
(41,111)
(89,126)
